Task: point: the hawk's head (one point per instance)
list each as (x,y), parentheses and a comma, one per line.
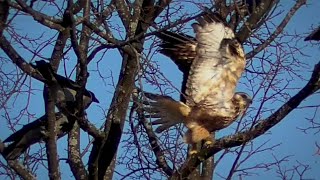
(233,47)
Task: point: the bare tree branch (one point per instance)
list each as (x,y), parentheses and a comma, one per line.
(120,101)
(260,11)
(51,139)
(4,12)
(40,17)
(76,165)
(279,29)
(124,13)
(21,170)
(18,60)
(161,161)
(81,32)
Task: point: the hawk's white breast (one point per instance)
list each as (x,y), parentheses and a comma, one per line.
(208,69)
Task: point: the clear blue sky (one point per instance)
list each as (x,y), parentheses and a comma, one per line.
(293,141)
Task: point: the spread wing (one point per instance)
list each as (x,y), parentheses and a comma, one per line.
(181,49)
(217,66)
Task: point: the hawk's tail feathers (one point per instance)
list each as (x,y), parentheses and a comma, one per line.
(168,111)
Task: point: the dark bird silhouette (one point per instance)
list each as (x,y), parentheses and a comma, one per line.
(32,133)
(35,131)
(315,35)
(65,88)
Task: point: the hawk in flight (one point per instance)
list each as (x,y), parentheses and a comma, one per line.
(212,64)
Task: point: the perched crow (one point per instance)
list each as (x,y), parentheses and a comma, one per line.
(34,132)
(65,88)
(315,35)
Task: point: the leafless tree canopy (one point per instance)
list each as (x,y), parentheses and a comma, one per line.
(110,48)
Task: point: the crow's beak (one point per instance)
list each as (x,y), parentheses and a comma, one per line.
(94,99)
